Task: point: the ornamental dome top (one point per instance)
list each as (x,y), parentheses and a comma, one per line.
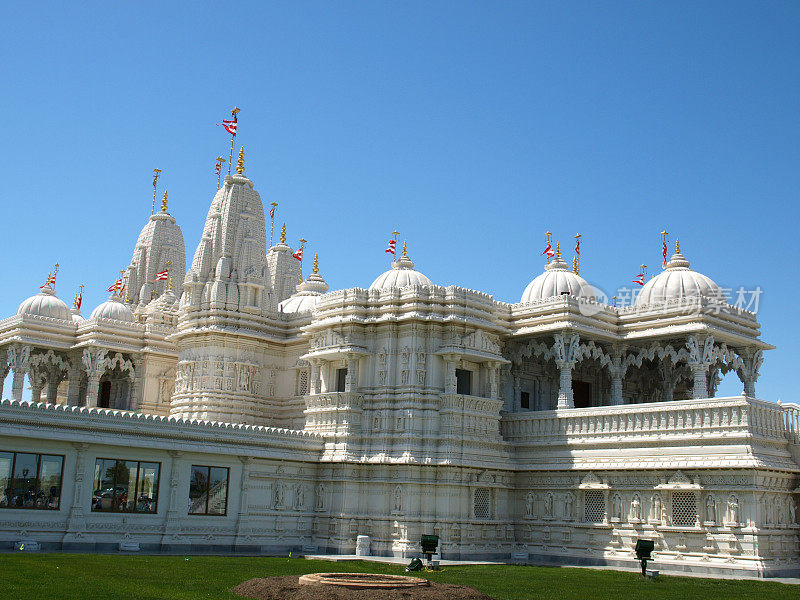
(166,302)
(45,304)
(557,280)
(77,317)
(400,275)
(677,282)
(307,294)
(113,309)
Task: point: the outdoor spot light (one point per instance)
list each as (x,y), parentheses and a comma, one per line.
(644,549)
(429,545)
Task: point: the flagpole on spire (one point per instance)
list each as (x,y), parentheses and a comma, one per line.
(218,170)
(392,246)
(548,240)
(302,245)
(272,221)
(234,112)
(664,235)
(576,267)
(156,173)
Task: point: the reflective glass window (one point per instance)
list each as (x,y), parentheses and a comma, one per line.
(208,490)
(29,480)
(125,486)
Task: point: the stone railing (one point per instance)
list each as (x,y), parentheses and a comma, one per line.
(333,413)
(704,418)
(462,415)
(790,414)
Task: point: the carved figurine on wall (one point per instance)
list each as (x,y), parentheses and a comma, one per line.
(656,508)
(616,508)
(711,509)
(569,503)
(636,508)
(529,499)
(548,506)
(320,500)
(733,511)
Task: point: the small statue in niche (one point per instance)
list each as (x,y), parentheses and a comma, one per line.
(529,505)
(733,510)
(711,509)
(636,508)
(548,505)
(616,508)
(569,502)
(398,499)
(655,504)
(320,505)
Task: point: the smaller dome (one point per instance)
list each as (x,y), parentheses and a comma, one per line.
(677,282)
(400,275)
(45,304)
(306,296)
(114,310)
(557,280)
(165,303)
(77,317)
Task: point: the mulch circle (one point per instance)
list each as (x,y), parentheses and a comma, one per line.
(288,588)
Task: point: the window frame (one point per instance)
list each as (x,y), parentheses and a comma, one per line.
(208,483)
(38,476)
(136,488)
(341,379)
(467,374)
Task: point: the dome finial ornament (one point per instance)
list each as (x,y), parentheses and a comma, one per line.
(575,265)
(405,248)
(164,202)
(315,270)
(677,246)
(558,249)
(283,234)
(240,163)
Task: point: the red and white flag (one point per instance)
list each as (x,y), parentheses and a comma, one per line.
(229,125)
(548,250)
(578,246)
(392,248)
(639,279)
(664,252)
(79,301)
(272,213)
(117,286)
(162,276)
(216,170)
(299,254)
(51,280)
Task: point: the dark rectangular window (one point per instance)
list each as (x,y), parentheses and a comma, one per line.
(524,400)
(208,491)
(463,381)
(125,486)
(29,480)
(341,378)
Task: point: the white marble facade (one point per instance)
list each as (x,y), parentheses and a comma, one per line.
(559,427)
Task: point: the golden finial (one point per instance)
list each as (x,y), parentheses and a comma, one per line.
(575,265)
(316,264)
(164,202)
(405,248)
(240,164)
(283,234)
(127,297)
(614,298)
(75,302)
(235,111)
(677,246)
(547,235)
(169,283)
(558,249)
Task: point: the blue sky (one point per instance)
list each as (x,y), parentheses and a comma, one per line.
(470,127)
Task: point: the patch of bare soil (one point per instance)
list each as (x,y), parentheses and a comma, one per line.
(287,588)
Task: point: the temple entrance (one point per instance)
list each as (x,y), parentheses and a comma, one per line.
(582,394)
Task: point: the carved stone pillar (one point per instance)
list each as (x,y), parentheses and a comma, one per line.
(18,360)
(171,528)
(616,389)
(669,377)
(701,356)
(748,372)
(37,383)
(242,531)
(566,356)
(4,368)
(74,385)
(315,382)
(76,521)
(53,379)
(94,361)
(351,379)
(450,384)
(491,373)
(517,404)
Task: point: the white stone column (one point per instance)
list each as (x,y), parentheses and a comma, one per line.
(92,390)
(351,380)
(4,368)
(94,361)
(73,387)
(700,387)
(565,395)
(171,527)
(81,496)
(34,374)
(18,359)
(450,384)
(53,379)
(136,389)
(242,531)
(616,389)
(315,379)
(701,356)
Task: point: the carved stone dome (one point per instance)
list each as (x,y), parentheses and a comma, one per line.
(400,275)
(114,310)
(678,282)
(557,280)
(306,296)
(45,304)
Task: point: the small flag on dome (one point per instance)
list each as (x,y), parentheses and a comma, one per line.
(51,280)
(116,286)
(548,250)
(162,276)
(639,279)
(229,125)
(392,248)
(272,212)
(79,300)
(664,252)
(299,254)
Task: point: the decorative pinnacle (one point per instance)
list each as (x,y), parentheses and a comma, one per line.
(169,283)
(75,302)
(558,249)
(575,265)
(235,111)
(240,164)
(677,246)
(316,264)
(164,202)
(283,234)
(547,235)
(405,248)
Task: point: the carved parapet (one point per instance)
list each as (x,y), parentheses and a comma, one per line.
(333,413)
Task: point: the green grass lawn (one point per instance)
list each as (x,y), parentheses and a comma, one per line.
(111,577)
